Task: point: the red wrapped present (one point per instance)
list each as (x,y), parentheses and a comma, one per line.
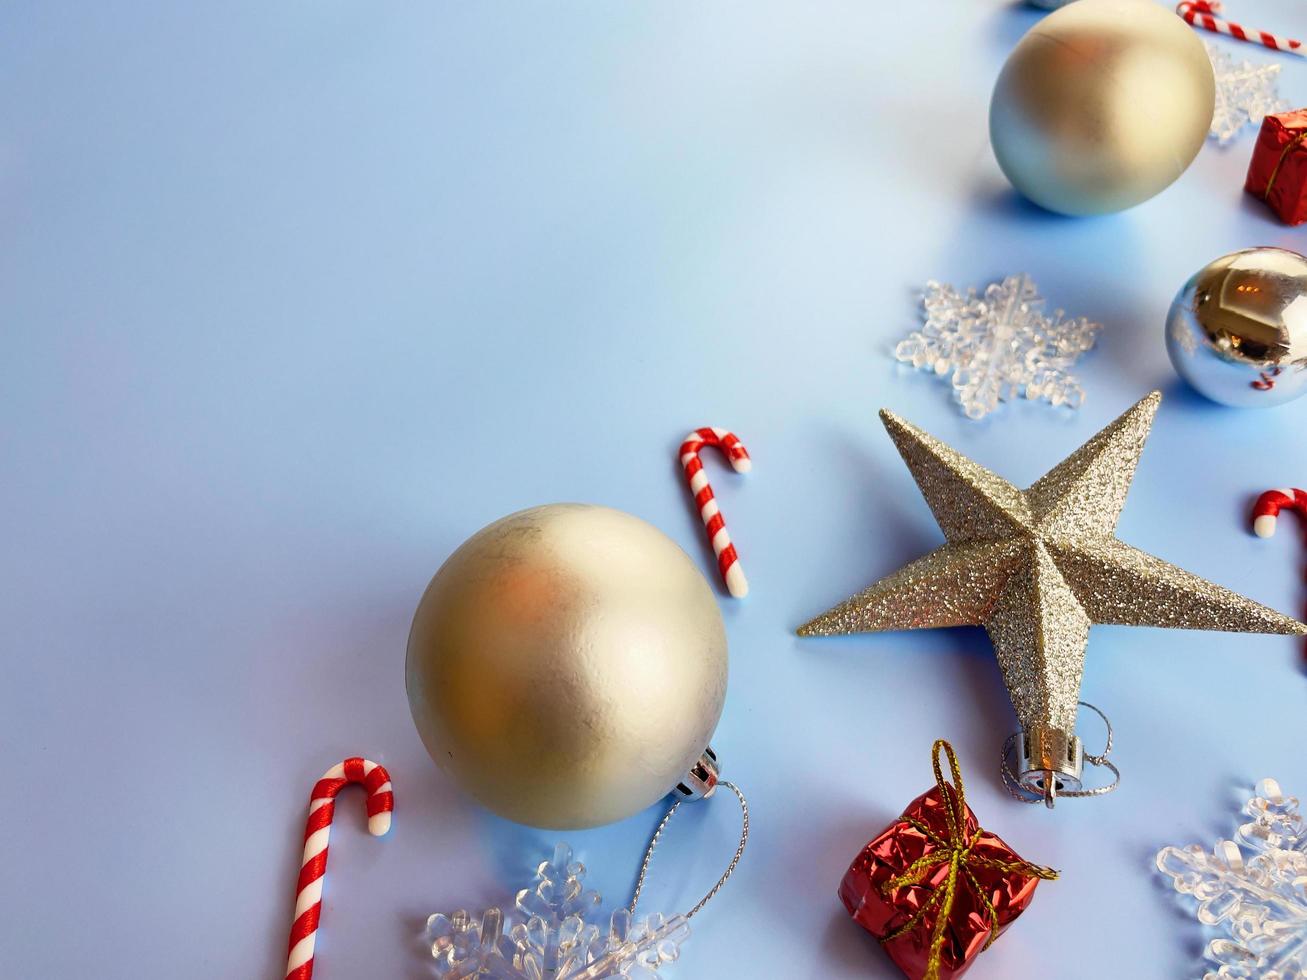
(934,888)
(1278,172)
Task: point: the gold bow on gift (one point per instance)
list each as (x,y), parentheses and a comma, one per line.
(1275,172)
(956,852)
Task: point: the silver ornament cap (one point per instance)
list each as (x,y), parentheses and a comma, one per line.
(1050,761)
(701,781)
(1237,330)
(567,667)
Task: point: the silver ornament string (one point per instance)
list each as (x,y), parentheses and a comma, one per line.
(730,868)
(1022,795)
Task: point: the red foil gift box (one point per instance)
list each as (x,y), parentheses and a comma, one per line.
(935,888)
(1278,172)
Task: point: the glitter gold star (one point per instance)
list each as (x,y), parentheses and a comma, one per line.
(1038,567)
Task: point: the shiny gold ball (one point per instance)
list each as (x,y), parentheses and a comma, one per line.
(567,665)
(1102,105)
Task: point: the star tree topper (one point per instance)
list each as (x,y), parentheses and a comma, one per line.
(1036,568)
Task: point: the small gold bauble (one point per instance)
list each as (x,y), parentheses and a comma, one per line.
(567,665)
(1102,105)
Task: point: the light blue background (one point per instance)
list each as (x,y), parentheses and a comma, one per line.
(295,297)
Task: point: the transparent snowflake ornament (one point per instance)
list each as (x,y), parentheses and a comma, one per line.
(1254,889)
(999,345)
(552,931)
(1245,93)
(555,930)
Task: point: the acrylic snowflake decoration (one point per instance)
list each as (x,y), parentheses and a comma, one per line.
(1257,893)
(552,932)
(999,345)
(1245,93)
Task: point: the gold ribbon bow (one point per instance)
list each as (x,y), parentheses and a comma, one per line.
(957,853)
(1275,172)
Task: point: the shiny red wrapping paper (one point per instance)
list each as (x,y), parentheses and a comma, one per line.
(1278,172)
(968,930)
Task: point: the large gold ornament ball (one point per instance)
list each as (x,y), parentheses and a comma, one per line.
(567,665)
(1102,105)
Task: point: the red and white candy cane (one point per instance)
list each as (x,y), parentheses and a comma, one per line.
(322,807)
(1204,14)
(1269,505)
(728,562)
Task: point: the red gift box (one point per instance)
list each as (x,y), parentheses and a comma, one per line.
(1278,172)
(935,888)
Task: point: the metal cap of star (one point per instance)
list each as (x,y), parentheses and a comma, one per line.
(1037,567)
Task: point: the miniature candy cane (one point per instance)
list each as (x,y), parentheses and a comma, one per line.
(728,562)
(1270,504)
(1200,13)
(322,807)
(1266,379)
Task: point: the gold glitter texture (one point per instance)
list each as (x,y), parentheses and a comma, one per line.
(1037,567)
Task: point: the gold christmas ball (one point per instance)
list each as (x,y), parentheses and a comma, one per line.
(567,666)
(1102,105)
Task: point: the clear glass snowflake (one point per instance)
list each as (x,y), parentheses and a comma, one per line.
(552,932)
(1245,92)
(1257,893)
(999,345)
